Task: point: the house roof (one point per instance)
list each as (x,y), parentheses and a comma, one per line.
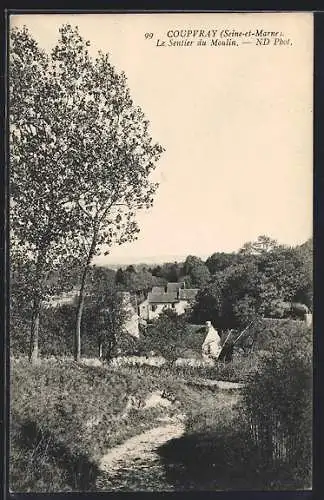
(162,298)
(158,289)
(188,294)
(174,287)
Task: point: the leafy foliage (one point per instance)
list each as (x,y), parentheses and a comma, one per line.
(169,271)
(137,281)
(278,399)
(81,158)
(42,216)
(104,318)
(197,271)
(262,245)
(218,261)
(167,336)
(264,280)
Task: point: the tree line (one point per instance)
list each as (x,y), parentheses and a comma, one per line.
(263,279)
(257,281)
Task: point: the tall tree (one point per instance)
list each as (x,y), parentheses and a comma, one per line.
(266,279)
(104,314)
(218,261)
(41,212)
(231,298)
(81,154)
(167,336)
(113,154)
(263,244)
(197,271)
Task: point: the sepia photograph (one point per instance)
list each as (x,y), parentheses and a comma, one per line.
(161,251)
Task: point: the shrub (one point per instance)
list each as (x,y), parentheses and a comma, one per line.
(19,334)
(165,337)
(264,441)
(278,401)
(171,337)
(127,345)
(216,452)
(57,325)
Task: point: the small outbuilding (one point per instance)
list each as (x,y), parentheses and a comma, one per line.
(211,346)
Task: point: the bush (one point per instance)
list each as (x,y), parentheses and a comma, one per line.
(55,335)
(278,401)
(127,345)
(171,337)
(57,326)
(262,442)
(216,452)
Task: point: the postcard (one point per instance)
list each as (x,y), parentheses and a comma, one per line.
(161,253)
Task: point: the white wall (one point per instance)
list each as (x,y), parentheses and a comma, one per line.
(143,310)
(131,325)
(158,308)
(146,312)
(181,306)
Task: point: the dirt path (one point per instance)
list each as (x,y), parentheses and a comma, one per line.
(135,465)
(219,384)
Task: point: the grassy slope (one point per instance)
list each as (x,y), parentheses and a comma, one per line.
(54,446)
(64,416)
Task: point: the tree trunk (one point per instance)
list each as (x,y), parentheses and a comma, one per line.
(110,347)
(77,335)
(34,332)
(77,339)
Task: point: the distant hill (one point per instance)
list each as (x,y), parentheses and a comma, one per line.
(141,261)
(154,260)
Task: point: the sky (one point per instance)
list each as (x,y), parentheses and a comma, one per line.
(235,122)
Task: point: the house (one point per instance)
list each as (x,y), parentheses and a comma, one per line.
(174,297)
(158,289)
(211,347)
